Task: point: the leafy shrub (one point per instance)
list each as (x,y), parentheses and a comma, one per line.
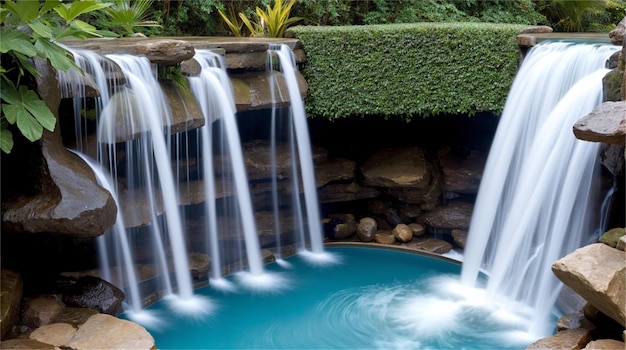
(408,70)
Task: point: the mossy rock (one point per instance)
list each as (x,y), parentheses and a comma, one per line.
(612,236)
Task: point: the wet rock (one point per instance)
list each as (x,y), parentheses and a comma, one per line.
(55,334)
(598,273)
(567,339)
(606,123)
(66,198)
(432,245)
(612,236)
(459,237)
(94,293)
(11,296)
(617,35)
(612,158)
(462,172)
(418,229)
(257,155)
(366,229)
(74,315)
(403,233)
(165,51)
(199,263)
(107,332)
(341,226)
(574,320)
(384,237)
(605,344)
(342,192)
(454,215)
(336,169)
(40,310)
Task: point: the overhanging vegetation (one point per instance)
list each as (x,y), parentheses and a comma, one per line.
(408,70)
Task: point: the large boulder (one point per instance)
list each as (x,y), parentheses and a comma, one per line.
(11,296)
(598,273)
(606,123)
(103,331)
(60,193)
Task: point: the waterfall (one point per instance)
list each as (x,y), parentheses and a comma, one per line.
(536,200)
(214,95)
(303,146)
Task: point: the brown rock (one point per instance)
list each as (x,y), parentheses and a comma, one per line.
(366,229)
(199,263)
(40,310)
(165,51)
(617,35)
(56,334)
(418,229)
(398,168)
(574,320)
(536,29)
(432,245)
(454,215)
(606,123)
(459,237)
(597,272)
(107,332)
(461,172)
(605,344)
(384,237)
(403,233)
(568,339)
(11,299)
(26,344)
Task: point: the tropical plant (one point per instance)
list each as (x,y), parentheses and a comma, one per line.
(125,15)
(273,21)
(31,29)
(571,13)
(233,21)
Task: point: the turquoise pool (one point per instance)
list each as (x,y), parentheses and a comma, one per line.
(371,299)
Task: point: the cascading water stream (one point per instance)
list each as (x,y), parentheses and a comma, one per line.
(287,66)
(534,203)
(214,94)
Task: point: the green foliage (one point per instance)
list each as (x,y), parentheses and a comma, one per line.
(31,29)
(233,21)
(188,17)
(124,16)
(408,70)
(273,21)
(324,12)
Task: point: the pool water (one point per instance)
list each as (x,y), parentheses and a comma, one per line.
(371,298)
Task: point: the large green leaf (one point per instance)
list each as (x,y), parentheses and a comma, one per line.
(16,40)
(27,110)
(70,11)
(50,4)
(57,55)
(25,10)
(41,28)
(6,139)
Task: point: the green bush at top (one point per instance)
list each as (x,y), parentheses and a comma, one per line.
(408,70)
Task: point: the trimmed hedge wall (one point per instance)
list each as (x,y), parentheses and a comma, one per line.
(408,70)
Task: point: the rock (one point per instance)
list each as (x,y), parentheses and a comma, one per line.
(11,297)
(462,172)
(336,169)
(165,51)
(432,245)
(56,334)
(606,123)
(418,229)
(612,83)
(94,293)
(574,320)
(74,315)
(190,68)
(612,236)
(621,244)
(536,29)
(405,168)
(403,233)
(598,273)
(342,192)
(459,237)
(257,155)
(26,344)
(605,344)
(612,158)
(384,237)
(340,226)
(617,35)
(567,339)
(454,215)
(107,332)
(199,263)
(66,198)
(40,310)
(366,229)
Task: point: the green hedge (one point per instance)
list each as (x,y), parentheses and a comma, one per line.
(408,70)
